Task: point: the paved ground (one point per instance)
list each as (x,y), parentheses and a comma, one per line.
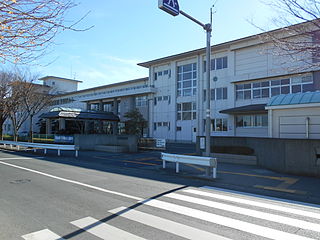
(128,196)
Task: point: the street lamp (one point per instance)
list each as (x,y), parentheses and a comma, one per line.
(172,7)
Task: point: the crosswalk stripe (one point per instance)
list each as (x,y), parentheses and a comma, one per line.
(103,230)
(248,212)
(225,221)
(41,235)
(256,203)
(166,225)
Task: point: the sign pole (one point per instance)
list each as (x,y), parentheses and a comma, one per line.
(172,7)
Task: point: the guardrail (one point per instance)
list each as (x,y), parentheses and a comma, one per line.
(209,162)
(44,146)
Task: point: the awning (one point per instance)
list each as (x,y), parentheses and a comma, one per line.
(79,115)
(255,108)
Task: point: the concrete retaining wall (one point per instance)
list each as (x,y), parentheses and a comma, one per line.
(295,156)
(90,141)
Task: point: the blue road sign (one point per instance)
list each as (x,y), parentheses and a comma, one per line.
(170,6)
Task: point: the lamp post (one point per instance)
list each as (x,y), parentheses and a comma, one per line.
(172,7)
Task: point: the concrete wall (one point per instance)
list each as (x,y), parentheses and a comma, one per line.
(294,156)
(88,142)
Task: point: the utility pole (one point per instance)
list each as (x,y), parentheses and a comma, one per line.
(172,7)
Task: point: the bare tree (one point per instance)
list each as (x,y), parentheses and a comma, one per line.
(34,98)
(5,79)
(28,27)
(298,36)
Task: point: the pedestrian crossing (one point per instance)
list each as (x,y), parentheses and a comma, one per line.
(202,214)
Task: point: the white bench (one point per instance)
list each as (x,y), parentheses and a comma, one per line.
(44,146)
(209,162)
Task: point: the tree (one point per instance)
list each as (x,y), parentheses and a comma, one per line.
(135,123)
(5,79)
(28,27)
(25,100)
(294,41)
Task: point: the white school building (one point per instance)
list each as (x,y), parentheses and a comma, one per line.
(247,83)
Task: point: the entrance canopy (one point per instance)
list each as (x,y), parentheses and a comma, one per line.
(255,108)
(78,114)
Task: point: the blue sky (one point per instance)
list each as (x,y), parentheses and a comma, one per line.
(127,32)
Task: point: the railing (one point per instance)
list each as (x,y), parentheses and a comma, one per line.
(209,162)
(36,146)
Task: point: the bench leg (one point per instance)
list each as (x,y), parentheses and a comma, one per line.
(5,145)
(214,172)
(177,167)
(59,152)
(77,153)
(34,150)
(163,164)
(18,148)
(45,151)
(11,146)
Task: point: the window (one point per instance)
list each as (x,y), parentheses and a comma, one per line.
(159,74)
(155,101)
(243,91)
(141,101)
(221,93)
(186,111)
(187,80)
(108,107)
(243,121)
(221,63)
(165,98)
(154,126)
(155,76)
(216,64)
(275,87)
(160,98)
(179,129)
(219,125)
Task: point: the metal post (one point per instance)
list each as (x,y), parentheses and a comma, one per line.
(208,119)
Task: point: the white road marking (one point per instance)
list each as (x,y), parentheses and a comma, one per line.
(15,158)
(73,182)
(256,201)
(248,212)
(225,221)
(166,225)
(103,230)
(44,234)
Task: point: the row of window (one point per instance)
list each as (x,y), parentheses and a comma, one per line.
(217,124)
(216,94)
(250,121)
(162,73)
(266,89)
(161,124)
(62,101)
(162,98)
(216,64)
(186,111)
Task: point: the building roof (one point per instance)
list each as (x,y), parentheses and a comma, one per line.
(60,78)
(254,108)
(78,114)
(218,47)
(295,98)
(106,86)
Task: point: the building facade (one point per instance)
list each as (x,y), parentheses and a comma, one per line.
(245,75)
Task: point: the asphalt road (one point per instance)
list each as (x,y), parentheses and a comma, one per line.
(115,196)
